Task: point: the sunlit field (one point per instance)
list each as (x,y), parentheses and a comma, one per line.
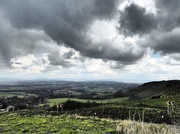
(62,100)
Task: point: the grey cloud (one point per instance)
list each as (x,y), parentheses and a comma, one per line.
(15,42)
(160,32)
(117,65)
(167,5)
(67,22)
(168,13)
(104,52)
(166,37)
(58,18)
(134,20)
(3,51)
(18,63)
(106,8)
(57,59)
(166,43)
(6,53)
(68,55)
(176,57)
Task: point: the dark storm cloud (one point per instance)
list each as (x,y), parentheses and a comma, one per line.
(14,42)
(64,21)
(166,38)
(166,43)
(67,22)
(160,31)
(5,50)
(168,5)
(168,13)
(125,56)
(134,20)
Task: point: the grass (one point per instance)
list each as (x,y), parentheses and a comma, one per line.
(62,100)
(134,127)
(13,123)
(158,103)
(17,123)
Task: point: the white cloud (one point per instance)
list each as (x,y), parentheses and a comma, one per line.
(23,61)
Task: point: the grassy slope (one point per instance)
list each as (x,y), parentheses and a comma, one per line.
(11,123)
(16,123)
(151,89)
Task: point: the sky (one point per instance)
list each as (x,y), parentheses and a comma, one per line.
(121,40)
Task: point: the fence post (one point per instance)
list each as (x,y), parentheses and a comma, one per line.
(170,107)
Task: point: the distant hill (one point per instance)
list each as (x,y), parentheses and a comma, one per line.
(155,89)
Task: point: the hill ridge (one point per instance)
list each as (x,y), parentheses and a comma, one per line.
(156,88)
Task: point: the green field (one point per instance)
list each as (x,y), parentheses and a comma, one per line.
(11,94)
(62,100)
(18,94)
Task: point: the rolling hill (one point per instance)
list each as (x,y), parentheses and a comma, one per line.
(157,89)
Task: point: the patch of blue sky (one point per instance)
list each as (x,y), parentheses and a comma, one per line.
(155,55)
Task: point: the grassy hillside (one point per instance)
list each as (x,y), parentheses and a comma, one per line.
(13,123)
(170,89)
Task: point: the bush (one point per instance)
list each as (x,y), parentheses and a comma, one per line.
(73,105)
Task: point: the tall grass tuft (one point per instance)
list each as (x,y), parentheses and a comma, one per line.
(134,127)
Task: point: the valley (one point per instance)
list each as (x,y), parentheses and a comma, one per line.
(81,104)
